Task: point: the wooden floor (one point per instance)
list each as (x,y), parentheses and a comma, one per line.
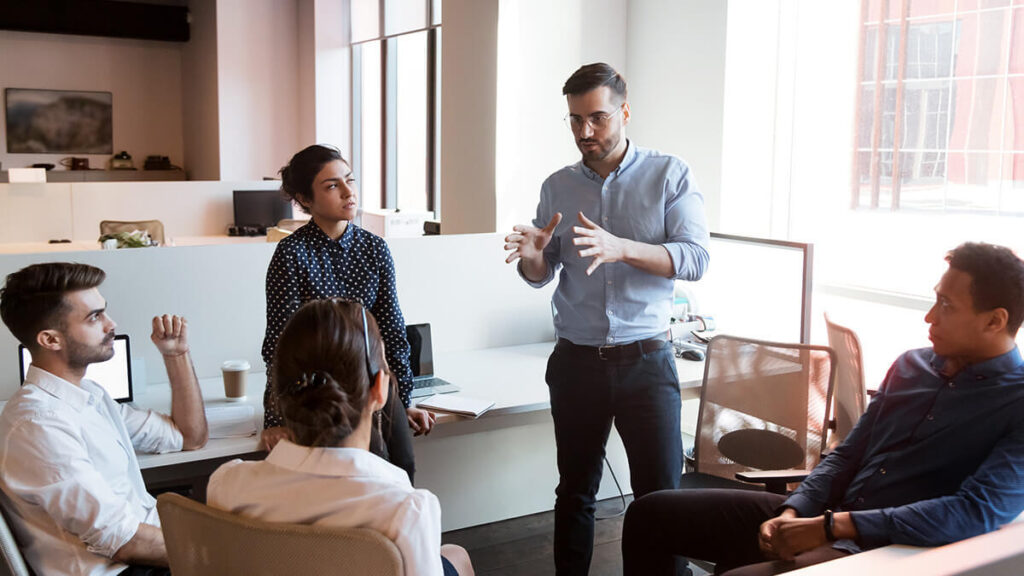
(523,546)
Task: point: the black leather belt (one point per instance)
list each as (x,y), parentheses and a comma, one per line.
(630,351)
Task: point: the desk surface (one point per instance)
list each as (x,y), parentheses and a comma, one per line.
(512,377)
(79,246)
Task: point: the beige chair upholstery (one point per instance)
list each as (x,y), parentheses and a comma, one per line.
(764,407)
(154,227)
(13,564)
(850,395)
(205,541)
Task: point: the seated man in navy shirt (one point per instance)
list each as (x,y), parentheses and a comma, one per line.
(937,457)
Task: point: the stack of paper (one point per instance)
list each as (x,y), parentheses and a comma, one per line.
(231,420)
(456,404)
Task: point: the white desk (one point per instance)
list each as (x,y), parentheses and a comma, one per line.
(512,376)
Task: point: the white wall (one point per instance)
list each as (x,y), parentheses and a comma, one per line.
(540,44)
(221,290)
(144,77)
(200,121)
(468,108)
(676,61)
(257,70)
(333,75)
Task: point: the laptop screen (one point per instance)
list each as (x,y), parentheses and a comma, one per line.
(115,375)
(421,351)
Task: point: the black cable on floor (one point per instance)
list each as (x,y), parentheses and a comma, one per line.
(621,495)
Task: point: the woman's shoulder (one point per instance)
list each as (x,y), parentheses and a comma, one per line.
(370,241)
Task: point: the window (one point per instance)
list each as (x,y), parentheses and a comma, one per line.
(395,116)
(940,114)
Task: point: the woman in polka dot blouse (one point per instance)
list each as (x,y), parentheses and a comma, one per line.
(330,257)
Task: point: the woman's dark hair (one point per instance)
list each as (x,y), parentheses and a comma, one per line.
(594,76)
(32,299)
(322,370)
(997,279)
(297,177)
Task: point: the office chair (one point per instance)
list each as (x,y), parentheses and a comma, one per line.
(763,415)
(13,564)
(850,395)
(155,228)
(205,541)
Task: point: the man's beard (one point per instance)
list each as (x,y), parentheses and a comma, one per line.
(81,355)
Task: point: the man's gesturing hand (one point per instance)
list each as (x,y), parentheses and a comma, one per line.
(603,246)
(527,242)
(170,335)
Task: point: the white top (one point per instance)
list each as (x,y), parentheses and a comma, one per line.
(72,488)
(343,487)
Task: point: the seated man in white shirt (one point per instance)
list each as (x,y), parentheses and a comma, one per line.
(70,481)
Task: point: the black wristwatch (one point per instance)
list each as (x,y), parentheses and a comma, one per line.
(830,523)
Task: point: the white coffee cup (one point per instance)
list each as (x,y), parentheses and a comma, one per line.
(234,372)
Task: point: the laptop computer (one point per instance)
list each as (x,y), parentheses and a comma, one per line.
(421,359)
(114,375)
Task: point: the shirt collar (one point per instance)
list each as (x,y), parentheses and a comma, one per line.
(991,368)
(627,160)
(344,462)
(78,397)
(346,237)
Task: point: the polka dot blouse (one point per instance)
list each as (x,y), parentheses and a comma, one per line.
(308,265)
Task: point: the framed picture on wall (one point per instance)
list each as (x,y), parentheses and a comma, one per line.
(59,122)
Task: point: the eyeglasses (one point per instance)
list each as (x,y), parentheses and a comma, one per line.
(597,121)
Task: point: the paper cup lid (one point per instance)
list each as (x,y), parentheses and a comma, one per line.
(235,365)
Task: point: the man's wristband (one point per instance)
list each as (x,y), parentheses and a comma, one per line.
(830,523)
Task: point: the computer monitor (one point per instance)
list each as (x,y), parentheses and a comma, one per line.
(114,375)
(421,350)
(757,288)
(260,208)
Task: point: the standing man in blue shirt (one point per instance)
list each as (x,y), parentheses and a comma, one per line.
(937,457)
(634,222)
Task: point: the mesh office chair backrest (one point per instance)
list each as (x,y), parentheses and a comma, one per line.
(13,563)
(205,541)
(764,406)
(850,395)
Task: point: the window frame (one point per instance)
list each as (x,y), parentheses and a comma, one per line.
(390,84)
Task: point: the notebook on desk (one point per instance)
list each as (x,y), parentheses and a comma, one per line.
(421,359)
(114,375)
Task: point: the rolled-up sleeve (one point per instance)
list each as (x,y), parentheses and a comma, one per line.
(551,252)
(686,227)
(151,432)
(63,482)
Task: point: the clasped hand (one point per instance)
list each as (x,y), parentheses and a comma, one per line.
(785,536)
(528,242)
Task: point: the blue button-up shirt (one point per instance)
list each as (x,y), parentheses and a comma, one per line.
(934,459)
(651,198)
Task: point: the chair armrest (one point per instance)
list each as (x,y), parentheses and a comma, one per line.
(774,480)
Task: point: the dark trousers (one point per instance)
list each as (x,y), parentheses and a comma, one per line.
(394,442)
(641,396)
(719,526)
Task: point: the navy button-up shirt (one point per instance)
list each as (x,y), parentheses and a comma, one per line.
(308,265)
(651,198)
(934,459)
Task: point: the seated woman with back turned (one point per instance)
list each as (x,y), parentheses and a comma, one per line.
(330,378)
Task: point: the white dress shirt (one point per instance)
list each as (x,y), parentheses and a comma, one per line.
(343,487)
(71,484)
